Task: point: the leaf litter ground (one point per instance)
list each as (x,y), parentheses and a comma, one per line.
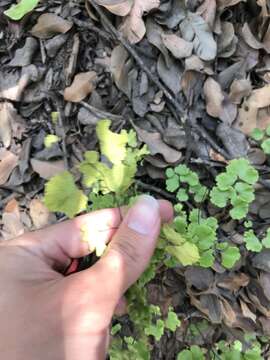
(193,79)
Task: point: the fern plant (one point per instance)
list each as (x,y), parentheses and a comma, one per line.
(235,186)
(263,138)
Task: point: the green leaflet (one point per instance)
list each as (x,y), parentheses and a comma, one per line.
(186,254)
(62,194)
(17,12)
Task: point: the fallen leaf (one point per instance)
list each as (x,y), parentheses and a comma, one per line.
(223,4)
(266,40)
(248,113)
(195,63)
(233,140)
(228,112)
(23,56)
(120,67)
(49,25)
(11,220)
(239,89)
(39,214)
(154,33)
(194,28)
(250,38)
(47,169)
(6,111)
(233,282)
(213,97)
(133,27)
(157,146)
(8,161)
(83,84)
(117,7)
(247,312)
(179,47)
(207,10)
(171,76)
(199,277)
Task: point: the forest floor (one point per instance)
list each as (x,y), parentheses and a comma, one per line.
(192,78)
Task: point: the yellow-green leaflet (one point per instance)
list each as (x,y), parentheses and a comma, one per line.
(187,254)
(62,194)
(16,12)
(112,145)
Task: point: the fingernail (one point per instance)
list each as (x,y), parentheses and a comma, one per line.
(143,216)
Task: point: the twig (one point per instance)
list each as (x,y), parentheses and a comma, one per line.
(203,133)
(92,27)
(155,189)
(137,58)
(100,113)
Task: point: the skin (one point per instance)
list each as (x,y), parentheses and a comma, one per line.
(46,315)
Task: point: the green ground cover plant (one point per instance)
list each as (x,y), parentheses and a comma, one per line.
(192,239)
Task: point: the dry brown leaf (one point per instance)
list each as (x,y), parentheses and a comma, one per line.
(250,38)
(213,97)
(195,63)
(83,84)
(157,146)
(8,161)
(117,7)
(207,10)
(120,67)
(47,169)
(39,214)
(133,26)
(247,312)
(239,89)
(233,282)
(6,110)
(223,4)
(248,113)
(263,5)
(11,220)
(266,40)
(179,47)
(49,25)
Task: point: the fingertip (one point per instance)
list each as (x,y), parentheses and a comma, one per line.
(166,211)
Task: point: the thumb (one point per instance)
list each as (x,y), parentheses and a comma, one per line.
(130,250)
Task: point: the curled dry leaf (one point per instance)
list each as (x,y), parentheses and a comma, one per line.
(248,113)
(8,162)
(213,96)
(49,25)
(157,146)
(83,84)
(11,220)
(39,214)
(47,169)
(117,7)
(179,47)
(250,38)
(133,26)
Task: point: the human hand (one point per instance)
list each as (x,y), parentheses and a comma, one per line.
(45,315)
